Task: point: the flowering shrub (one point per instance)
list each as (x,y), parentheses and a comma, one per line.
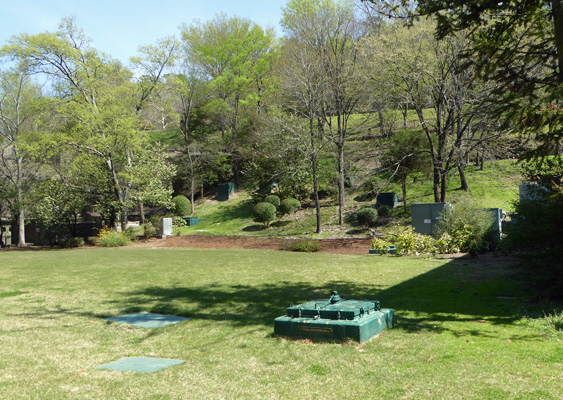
(111,238)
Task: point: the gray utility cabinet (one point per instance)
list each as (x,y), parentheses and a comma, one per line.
(165,228)
(427,216)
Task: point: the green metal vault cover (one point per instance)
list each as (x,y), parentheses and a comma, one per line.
(334,319)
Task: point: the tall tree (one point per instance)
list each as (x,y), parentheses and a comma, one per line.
(303,84)
(234,55)
(100,108)
(21,105)
(188,93)
(331,30)
(518,44)
(427,74)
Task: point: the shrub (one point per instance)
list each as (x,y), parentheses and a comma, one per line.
(305,245)
(181,206)
(468,225)
(537,230)
(273,199)
(381,245)
(179,222)
(446,244)
(289,206)
(384,211)
(410,242)
(149,230)
(92,240)
(265,213)
(131,233)
(367,216)
(72,242)
(111,238)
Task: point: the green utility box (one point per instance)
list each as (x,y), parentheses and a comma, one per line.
(427,216)
(334,319)
(392,249)
(387,199)
(191,221)
(495,232)
(224,190)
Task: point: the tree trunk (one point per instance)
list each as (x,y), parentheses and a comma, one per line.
(21,224)
(557,10)
(436,184)
(314,170)
(381,120)
(462,178)
(443,186)
(19,198)
(192,180)
(341,197)
(404,187)
(142,211)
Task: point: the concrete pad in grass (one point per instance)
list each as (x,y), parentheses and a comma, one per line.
(148,320)
(140,364)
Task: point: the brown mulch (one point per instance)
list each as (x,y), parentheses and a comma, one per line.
(333,246)
(348,246)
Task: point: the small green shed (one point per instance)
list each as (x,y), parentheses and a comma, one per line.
(224,190)
(389,199)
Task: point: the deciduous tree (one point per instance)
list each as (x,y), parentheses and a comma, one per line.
(21,105)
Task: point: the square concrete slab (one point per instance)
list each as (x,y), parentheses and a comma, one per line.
(140,364)
(148,320)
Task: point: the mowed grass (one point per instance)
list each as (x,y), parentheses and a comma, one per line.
(496,186)
(454,337)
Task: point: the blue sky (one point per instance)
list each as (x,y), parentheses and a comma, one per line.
(119,27)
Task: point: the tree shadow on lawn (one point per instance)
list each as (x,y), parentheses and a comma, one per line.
(254,228)
(453,292)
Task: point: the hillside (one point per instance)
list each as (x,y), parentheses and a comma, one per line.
(495,186)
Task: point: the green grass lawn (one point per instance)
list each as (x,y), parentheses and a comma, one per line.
(454,338)
(235,217)
(494,187)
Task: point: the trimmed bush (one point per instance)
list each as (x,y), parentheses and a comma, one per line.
(305,245)
(367,217)
(273,199)
(265,213)
(289,206)
(384,211)
(181,206)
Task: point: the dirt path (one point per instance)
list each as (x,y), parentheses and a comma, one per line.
(333,246)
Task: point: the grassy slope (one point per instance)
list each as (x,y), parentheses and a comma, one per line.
(454,339)
(496,186)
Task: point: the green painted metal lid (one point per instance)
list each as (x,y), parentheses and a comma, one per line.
(334,308)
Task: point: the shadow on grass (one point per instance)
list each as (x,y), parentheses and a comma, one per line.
(356,231)
(280,224)
(453,292)
(253,228)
